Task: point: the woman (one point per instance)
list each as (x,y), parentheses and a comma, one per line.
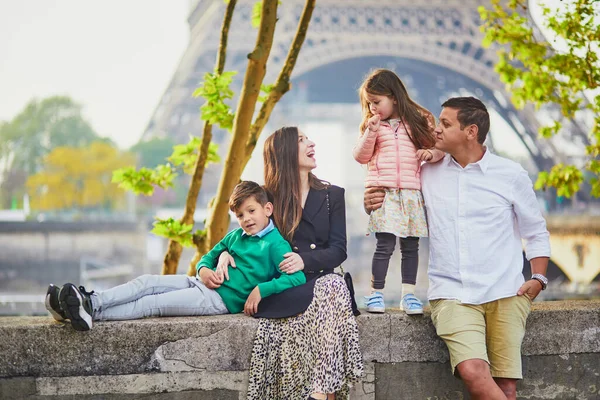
(307,342)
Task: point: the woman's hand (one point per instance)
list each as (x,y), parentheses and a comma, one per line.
(373,199)
(225,260)
(291,263)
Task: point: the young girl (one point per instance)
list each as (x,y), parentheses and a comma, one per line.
(396,136)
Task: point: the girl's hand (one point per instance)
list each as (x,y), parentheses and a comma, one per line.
(251,306)
(292,263)
(225,260)
(374,122)
(424,154)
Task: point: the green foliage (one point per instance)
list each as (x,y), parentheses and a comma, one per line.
(145,180)
(76,178)
(153,152)
(265,90)
(215,90)
(256,14)
(185,155)
(39,128)
(175,230)
(561,72)
(567,180)
(594,168)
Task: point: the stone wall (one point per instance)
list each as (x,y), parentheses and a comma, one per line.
(208,357)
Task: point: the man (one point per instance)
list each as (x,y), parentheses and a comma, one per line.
(479,208)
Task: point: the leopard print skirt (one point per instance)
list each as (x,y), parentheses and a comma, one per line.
(313,352)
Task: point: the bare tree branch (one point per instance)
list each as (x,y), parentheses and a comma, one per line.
(282,85)
(174,249)
(218,222)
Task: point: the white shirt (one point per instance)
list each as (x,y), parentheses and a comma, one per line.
(477,216)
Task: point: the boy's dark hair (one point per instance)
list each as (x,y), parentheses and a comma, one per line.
(245,190)
(471,111)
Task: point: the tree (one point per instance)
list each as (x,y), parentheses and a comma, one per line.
(78,178)
(215,90)
(153,152)
(40,127)
(564,72)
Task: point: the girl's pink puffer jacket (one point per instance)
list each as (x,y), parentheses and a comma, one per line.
(391,158)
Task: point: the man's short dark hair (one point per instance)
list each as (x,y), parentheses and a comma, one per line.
(471,111)
(245,190)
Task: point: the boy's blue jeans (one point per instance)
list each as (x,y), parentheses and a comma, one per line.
(157,296)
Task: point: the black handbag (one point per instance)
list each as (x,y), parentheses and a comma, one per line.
(346,275)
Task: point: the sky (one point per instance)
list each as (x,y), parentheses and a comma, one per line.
(115,57)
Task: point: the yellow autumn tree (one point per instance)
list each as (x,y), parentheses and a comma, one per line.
(78,178)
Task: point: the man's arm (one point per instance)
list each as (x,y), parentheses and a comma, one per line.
(373,199)
(532,227)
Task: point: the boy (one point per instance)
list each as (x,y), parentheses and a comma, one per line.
(257,248)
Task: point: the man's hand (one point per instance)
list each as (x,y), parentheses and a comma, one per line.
(251,306)
(373,122)
(210,278)
(291,263)
(373,199)
(225,260)
(424,155)
(531,288)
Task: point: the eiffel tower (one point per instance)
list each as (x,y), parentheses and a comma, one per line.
(433,45)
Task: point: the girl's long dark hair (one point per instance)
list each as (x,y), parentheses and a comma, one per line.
(383,82)
(282,179)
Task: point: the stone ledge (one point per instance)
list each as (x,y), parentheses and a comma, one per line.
(39,347)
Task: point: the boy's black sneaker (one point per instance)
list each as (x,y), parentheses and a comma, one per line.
(53,305)
(77,305)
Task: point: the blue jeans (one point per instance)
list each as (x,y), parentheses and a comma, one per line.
(157,296)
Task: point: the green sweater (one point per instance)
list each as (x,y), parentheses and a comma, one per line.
(257,261)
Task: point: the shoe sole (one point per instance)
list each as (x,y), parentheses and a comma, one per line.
(412,312)
(376,310)
(72,303)
(48,303)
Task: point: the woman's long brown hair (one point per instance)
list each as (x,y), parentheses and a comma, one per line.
(282,179)
(383,82)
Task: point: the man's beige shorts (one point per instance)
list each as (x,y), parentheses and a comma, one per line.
(492,332)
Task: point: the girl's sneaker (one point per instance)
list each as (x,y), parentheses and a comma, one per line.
(411,305)
(375,302)
(77,305)
(53,305)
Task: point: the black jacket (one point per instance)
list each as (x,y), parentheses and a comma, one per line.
(321,242)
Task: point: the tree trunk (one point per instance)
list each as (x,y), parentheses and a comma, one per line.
(282,85)
(218,221)
(200,243)
(171,260)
